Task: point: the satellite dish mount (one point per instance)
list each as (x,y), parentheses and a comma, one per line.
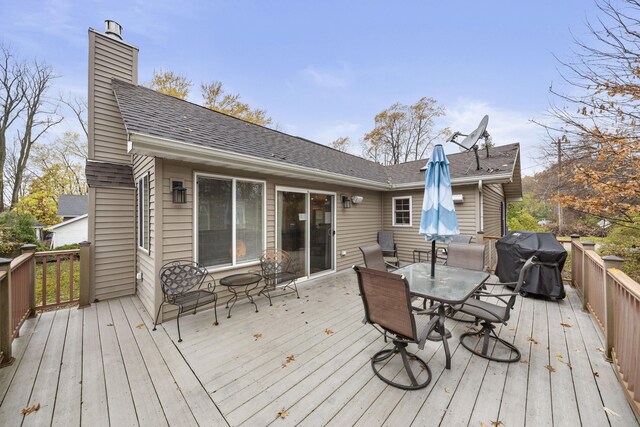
(470,142)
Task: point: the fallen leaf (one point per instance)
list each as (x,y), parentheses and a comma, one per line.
(483,424)
(607,410)
(34,408)
(284,365)
(497,423)
(550,368)
(257,336)
(531,339)
(565,325)
(283,413)
(446,389)
(291,358)
(524,362)
(140,325)
(328,331)
(569,366)
(109,324)
(596,374)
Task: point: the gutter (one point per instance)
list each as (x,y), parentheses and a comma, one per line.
(489,179)
(162,147)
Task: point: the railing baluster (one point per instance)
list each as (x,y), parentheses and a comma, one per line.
(44,280)
(71,257)
(57,279)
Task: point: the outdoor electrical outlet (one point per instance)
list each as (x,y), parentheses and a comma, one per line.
(343,253)
(139,275)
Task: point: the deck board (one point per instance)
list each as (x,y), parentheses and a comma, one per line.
(103,365)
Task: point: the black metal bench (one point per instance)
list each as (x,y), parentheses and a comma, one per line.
(182,285)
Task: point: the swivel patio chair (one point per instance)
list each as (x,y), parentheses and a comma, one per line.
(278,272)
(469,256)
(388,247)
(490,314)
(443,253)
(182,286)
(374,258)
(387,307)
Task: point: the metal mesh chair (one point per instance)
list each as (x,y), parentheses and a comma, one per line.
(389,248)
(490,313)
(466,255)
(373,257)
(278,271)
(443,253)
(387,306)
(182,286)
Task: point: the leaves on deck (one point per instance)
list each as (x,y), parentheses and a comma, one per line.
(524,362)
(283,414)
(109,324)
(531,339)
(596,374)
(497,423)
(290,359)
(328,331)
(550,368)
(257,336)
(31,409)
(140,325)
(483,424)
(565,325)
(610,412)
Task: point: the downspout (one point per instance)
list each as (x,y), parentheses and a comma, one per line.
(481,204)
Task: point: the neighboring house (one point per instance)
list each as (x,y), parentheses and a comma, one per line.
(72,206)
(70,232)
(247,188)
(38,227)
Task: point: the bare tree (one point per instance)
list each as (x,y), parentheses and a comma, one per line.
(341,144)
(404,132)
(11,96)
(39,117)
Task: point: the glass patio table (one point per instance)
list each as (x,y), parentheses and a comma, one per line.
(450,286)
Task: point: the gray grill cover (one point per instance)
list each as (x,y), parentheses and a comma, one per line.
(518,246)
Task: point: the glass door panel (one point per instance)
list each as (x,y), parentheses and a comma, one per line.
(321,233)
(292,227)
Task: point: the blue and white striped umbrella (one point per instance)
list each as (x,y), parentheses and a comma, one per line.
(439,221)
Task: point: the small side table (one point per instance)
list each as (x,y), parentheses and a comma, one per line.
(236,281)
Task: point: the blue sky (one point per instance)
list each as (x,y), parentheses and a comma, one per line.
(324,69)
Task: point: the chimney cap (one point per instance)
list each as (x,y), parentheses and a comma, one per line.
(113,29)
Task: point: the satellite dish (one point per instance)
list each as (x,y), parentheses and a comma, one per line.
(470,142)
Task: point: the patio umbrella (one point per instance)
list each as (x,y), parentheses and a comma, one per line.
(439,221)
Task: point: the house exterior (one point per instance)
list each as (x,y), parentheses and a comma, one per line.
(70,232)
(72,206)
(247,188)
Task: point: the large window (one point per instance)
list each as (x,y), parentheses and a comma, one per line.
(223,240)
(143,212)
(401,211)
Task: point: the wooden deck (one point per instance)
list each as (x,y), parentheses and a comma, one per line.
(309,357)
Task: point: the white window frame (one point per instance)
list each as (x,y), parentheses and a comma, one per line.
(196,199)
(393,211)
(144,222)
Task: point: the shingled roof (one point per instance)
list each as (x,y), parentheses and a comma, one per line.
(105,174)
(150,113)
(72,205)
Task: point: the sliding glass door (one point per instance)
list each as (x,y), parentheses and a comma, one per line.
(305,229)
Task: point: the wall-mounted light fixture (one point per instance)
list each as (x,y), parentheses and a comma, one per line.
(357,199)
(346,202)
(178,192)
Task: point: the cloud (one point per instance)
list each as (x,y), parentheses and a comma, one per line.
(505,127)
(328,78)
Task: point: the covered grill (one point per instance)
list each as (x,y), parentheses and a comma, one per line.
(516,247)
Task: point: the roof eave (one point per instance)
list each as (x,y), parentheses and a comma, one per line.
(150,145)
(487,179)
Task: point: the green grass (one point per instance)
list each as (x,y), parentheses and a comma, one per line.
(52,280)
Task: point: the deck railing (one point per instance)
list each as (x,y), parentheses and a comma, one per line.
(57,278)
(614,300)
(64,279)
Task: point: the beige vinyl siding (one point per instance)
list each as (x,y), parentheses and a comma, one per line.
(113,244)
(108,58)
(354,227)
(408,238)
(493,195)
(146,260)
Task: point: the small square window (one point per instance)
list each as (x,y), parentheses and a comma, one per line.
(401,211)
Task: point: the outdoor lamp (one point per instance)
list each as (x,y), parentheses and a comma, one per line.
(178,192)
(346,202)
